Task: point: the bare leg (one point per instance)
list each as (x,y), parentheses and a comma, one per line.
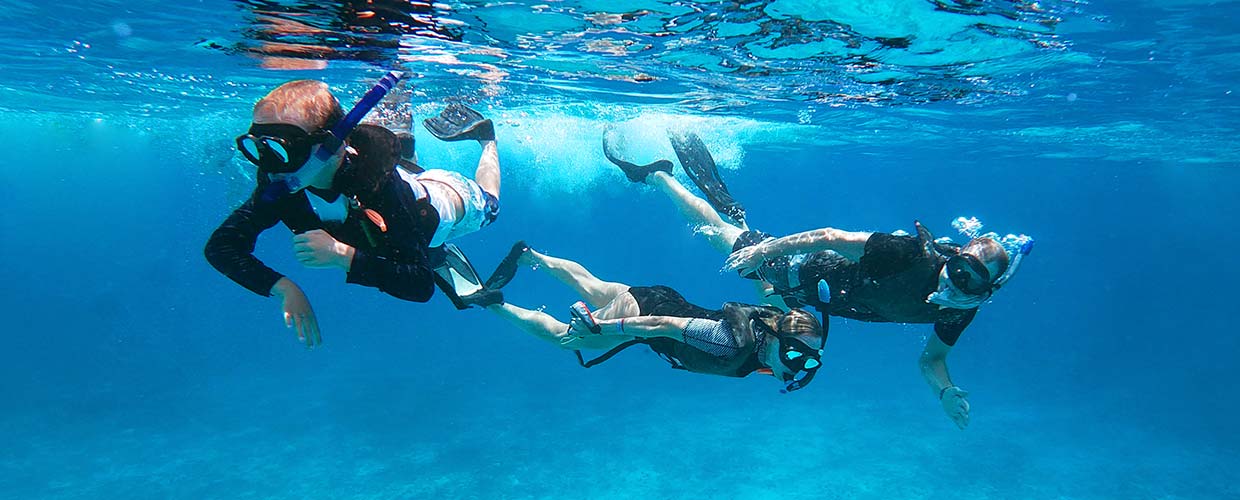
(594,291)
(487,175)
(722,235)
(536,323)
(545,327)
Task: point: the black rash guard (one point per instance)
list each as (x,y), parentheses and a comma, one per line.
(737,357)
(889,284)
(396,263)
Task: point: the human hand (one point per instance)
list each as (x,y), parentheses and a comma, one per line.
(297,312)
(578,327)
(582,322)
(956,406)
(319,249)
(746,260)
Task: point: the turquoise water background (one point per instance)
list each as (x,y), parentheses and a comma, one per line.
(131,369)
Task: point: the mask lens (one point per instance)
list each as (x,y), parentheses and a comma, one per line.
(811,363)
(278,149)
(248,147)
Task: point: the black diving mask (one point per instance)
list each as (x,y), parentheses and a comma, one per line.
(801,360)
(969,275)
(279,148)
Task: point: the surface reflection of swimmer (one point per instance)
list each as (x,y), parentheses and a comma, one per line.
(734,341)
(355,204)
(306,35)
(355,29)
(873,277)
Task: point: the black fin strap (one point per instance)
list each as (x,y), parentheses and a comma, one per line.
(410,166)
(607,355)
(676,364)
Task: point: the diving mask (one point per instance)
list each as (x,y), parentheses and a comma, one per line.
(278,148)
(801,361)
(969,275)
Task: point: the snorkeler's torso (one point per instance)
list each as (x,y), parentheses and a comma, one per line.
(744,362)
(889,284)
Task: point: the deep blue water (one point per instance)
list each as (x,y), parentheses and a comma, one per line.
(131,369)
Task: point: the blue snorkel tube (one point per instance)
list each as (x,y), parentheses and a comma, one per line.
(1023,245)
(298,180)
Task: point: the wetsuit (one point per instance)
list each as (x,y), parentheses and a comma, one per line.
(716,341)
(889,284)
(395,261)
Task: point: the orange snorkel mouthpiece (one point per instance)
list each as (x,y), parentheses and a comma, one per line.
(377,219)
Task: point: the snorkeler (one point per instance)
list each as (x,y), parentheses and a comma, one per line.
(351,198)
(734,341)
(873,277)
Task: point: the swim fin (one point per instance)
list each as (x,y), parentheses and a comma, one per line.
(635,173)
(457,278)
(458,122)
(700,167)
(483,298)
(507,268)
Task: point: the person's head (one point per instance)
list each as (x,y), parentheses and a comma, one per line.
(976,268)
(794,352)
(308,104)
(287,123)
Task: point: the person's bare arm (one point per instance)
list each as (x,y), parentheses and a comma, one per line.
(578,335)
(850,244)
(933,364)
(646,326)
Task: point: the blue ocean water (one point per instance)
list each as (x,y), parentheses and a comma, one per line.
(1105,129)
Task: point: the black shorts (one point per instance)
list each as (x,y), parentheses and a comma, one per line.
(660,300)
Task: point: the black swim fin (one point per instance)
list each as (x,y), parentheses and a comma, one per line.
(507,268)
(458,122)
(635,173)
(490,293)
(458,280)
(700,167)
(483,298)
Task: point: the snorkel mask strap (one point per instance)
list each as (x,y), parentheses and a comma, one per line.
(1021,252)
(300,179)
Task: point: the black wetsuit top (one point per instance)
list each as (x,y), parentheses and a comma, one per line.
(889,284)
(739,362)
(396,263)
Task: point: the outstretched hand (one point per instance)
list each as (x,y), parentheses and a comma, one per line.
(956,405)
(746,260)
(298,314)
